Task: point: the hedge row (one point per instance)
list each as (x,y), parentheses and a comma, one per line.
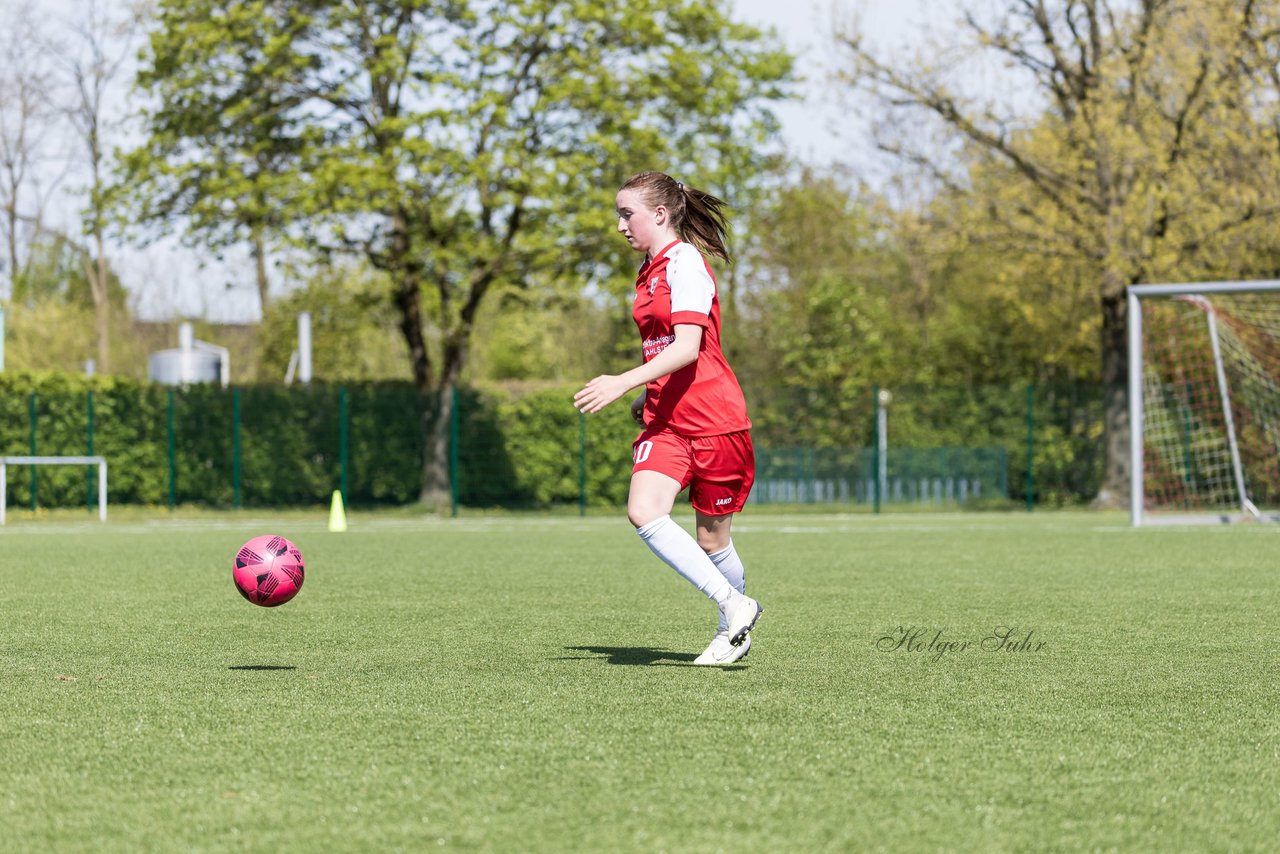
(514,449)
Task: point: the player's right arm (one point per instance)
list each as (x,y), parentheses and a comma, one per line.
(606,388)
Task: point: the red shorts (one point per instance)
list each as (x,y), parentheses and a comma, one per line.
(718,470)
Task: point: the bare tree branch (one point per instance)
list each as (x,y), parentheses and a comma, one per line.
(26,122)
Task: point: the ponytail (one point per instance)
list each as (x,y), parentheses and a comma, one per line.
(698,217)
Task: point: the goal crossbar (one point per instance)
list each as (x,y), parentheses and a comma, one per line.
(1135,294)
(100,462)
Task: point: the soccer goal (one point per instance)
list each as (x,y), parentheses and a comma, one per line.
(1204,402)
(100,462)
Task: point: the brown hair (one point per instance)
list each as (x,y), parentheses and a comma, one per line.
(697,217)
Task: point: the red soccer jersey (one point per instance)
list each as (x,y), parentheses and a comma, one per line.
(703,398)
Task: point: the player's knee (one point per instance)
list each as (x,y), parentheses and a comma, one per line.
(641,513)
(712,541)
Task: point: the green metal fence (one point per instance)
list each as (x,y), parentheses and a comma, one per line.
(921,476)
(272,446)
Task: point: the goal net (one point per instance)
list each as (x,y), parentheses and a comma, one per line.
(1204,398)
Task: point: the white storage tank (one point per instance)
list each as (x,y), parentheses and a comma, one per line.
(192,362)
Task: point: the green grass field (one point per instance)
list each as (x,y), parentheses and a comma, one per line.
(517,683)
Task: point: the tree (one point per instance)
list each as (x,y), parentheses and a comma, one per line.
(218,157)
(457,146)
(92,64)
(26,119)
(57,268)
(817,313)
(991,309)
(521,333)
(353,328)
(52,307)
(1150,149)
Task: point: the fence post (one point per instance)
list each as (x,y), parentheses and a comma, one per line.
(1188,465)
(344,440)
(31,417)
(454,432)
(173,462)
(88,470)
(883,399)
(582,464)
(235,448)
(875,453)
(1031,437)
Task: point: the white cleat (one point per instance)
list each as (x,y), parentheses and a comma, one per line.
(740,615)
(722,652)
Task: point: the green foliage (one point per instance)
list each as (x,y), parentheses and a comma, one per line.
(848,293)
(48,335)
(353,328)
(517,447)
(464,145)
(822,320)
(50,318)
(460,147)
(1149,150)
(528,448)
(1145,152)
(228,189)
(288,441)
(1065,420)
(386,443)
(51,335)
(537,333)
(55,272)
(124,418)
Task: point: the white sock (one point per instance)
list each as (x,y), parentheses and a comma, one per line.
(730,566)
(682,553)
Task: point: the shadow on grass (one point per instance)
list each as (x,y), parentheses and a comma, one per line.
(635,656)
(262,667)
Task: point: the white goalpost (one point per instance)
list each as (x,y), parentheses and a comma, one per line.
(100,462)
(1204,402)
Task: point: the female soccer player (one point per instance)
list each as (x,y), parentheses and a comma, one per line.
(696,431)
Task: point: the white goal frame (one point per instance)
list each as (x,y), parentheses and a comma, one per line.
(100,462)
(1136,293)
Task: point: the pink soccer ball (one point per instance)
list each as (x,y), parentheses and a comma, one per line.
(268,571)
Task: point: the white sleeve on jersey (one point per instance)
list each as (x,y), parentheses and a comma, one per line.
(691,285)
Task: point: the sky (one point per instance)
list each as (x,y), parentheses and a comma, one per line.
(816,129)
